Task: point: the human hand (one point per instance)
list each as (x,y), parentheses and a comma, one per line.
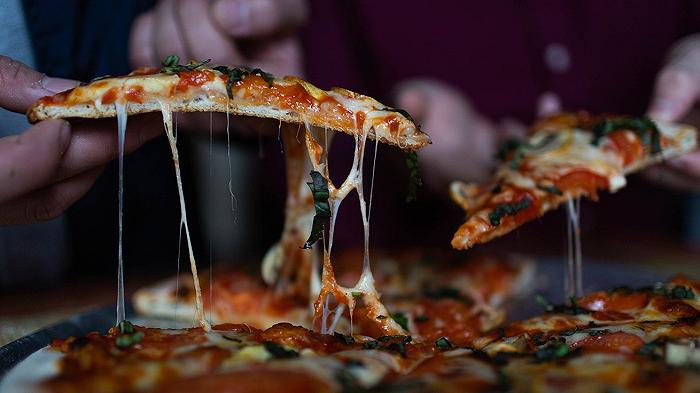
(464,141)
(53,163)
(675,98)
(259,33)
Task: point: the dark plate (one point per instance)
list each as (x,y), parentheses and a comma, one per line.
(100,319)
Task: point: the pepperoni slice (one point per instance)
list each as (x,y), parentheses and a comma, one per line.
(611,342)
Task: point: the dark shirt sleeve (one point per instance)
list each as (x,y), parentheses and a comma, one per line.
(81,39)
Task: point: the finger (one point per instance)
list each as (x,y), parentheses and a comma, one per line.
(20,85)
(94,143)
(279,56)
(548,104)
(197,26)
(166,36)
(414,100)
(671,178)
(257,18)
(675,92)
(30,160)
(688,164)
(48,202)
(141,50)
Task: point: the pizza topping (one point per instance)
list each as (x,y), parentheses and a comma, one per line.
(554,349)
(171,64)
(508,209)
(614,342)
(279,352)
(319,191)
(443,343)
(645,128)
(236,74)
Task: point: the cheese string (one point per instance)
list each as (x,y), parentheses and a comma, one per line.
(211,263)
(120,107)
(168,124)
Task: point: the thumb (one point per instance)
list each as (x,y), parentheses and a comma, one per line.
(20,85)
(675,93)
(412,98)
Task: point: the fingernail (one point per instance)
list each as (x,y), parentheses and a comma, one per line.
(64,136)
(57,85)
(233,15)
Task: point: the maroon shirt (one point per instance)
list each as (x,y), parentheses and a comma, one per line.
(597,55)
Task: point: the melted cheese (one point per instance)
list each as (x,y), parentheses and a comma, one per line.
(121,136)
(562,152)
(168,124)
(365,287)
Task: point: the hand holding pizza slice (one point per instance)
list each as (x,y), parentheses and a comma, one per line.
(567,156)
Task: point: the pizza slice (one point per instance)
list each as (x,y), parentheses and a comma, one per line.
(197,87)
(567,156)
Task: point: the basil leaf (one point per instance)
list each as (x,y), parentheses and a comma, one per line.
(553,350)
(347,340)
(126,327)
(443,343)
(236,74)
(414,180)
(127,340)
(279,352)
(401,319)
(644,127)
(171,64)
(400,111)
(508,209)
(550,189)
(319,190)
(681,292)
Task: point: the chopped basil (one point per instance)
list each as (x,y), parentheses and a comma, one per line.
(550,189)
(508,209)
(400,111)
(394,343)
(421,318)
(347,340)
(126,327)
(553,350)
(319,190)
(443,343)
(381,317)
(681,292)
(236,74)
(598,333)
(401,319)
(414,180)
(279,352)
(356,294)
(127,340)
(172,65)
(644,127)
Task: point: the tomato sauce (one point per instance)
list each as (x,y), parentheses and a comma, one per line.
(192,79)
(582,179)
(611,342)
(615,301)
(630,149)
